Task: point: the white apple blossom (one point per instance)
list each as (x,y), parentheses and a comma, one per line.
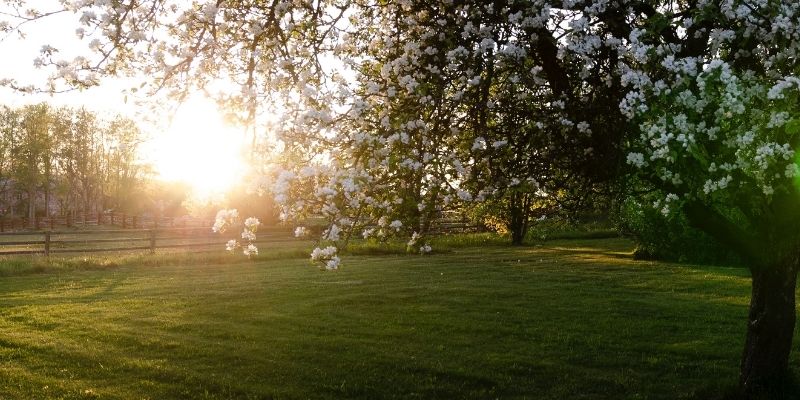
(332,263)
(396,225)
(414,238)
(332,233)
(224,219)
(252,223)
(250,250)
(248,235)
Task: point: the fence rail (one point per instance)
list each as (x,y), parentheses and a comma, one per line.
(49,242)
(122,220)
(55,242)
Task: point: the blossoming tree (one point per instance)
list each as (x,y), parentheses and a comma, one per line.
(392,109)
(712,96)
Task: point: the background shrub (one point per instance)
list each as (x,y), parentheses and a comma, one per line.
(659,237)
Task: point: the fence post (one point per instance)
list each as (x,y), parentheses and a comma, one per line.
(152,241)
(133,221)
(47,244)
(36,222)
(2,224)
(124,221)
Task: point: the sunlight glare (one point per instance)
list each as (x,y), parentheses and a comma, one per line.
(200,149)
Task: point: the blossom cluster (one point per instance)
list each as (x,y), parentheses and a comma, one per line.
(228,218)
(327,257)
(729,132)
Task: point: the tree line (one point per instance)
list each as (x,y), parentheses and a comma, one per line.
(61,161)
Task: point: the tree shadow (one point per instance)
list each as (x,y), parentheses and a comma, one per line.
(785,388)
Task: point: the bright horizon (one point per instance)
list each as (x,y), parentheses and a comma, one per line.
(199,149)
(194,146)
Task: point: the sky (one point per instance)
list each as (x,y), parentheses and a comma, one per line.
(197,148)
(17,57)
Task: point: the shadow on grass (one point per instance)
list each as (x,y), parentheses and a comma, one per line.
(787,388)
(576,319)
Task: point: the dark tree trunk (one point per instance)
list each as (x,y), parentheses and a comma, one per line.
(770,327)
(771,321)
(517,237)
(517,226)
(520,216)
(430,215)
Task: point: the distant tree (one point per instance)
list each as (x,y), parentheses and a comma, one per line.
(168,198)
(7,127)
(70,155)
(80,161)
(124,173)
(32,150)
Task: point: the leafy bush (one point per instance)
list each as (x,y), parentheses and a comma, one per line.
(659,237)
(573,225)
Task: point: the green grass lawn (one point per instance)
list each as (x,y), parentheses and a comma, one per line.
(562,320)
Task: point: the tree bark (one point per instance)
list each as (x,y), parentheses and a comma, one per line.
(770,327)
(517,236)
(516,225)
(47,198)
(31,207)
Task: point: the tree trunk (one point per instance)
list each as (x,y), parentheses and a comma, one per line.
(430,215)
(31,207)
(517,236)
(516,225)
(770,327)
(47,200)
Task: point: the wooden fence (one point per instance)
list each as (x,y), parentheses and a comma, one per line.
(55,242)
(122,220)
(49,242)
(447,227)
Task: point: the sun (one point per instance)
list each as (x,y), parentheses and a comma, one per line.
(200,149)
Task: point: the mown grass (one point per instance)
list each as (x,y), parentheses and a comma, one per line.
(14,265)
(561,320)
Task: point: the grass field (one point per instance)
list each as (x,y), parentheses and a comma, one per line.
(562,320)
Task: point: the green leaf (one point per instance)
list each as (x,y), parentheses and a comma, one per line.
(793,126)
(657,23)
